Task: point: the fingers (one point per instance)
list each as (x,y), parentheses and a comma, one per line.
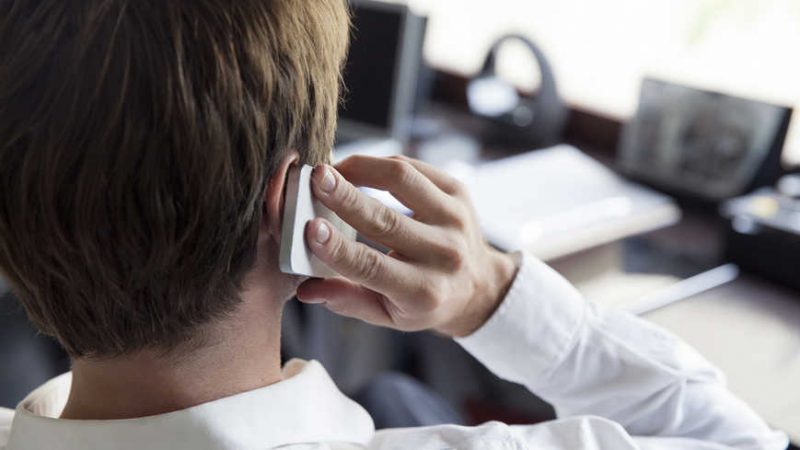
(440,178)
(358,262)
(346,298)
(370,217)
(402,178)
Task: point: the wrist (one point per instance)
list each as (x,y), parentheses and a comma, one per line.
(491,293)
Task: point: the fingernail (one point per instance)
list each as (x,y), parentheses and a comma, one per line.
(328,182)
(313,301)
(323,233)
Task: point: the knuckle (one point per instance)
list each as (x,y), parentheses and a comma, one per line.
(351,164)
(370,265)
(458,189)
(460,221)
(347,193)
(385,221)
(430,295)
(405,171)
(345,164)
(451,210)
(338,249)
(350,161)
(454,252)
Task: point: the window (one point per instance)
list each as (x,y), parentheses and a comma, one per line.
(600,50)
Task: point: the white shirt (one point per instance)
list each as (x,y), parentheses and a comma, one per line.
(617,383)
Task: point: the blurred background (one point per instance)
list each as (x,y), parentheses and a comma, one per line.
(646,149)
(600,51)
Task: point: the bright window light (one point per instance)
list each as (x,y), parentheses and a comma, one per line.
(600,50)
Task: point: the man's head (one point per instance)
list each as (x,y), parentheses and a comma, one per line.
(137,138)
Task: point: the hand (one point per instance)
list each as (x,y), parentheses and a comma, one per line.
(440,273)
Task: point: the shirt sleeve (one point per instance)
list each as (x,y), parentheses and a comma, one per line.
(588,362)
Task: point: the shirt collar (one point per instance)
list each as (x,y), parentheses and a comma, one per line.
(305,407)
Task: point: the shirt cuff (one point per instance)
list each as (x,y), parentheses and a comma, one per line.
(535,326)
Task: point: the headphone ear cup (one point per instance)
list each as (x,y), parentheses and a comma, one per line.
(517,121)
(492,97)
(489,95)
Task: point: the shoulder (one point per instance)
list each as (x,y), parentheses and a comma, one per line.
(6,417)
(489,436)
(577,433)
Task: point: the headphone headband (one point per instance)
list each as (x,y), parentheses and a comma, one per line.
(546,108)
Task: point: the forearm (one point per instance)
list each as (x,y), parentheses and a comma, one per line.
(586,362)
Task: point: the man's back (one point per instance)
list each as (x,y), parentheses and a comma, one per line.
(616,382)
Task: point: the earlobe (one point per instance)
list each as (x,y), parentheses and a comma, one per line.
(274,194)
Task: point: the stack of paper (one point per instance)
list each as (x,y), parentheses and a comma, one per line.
(558,201)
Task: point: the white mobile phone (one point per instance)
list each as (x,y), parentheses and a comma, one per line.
(299,208)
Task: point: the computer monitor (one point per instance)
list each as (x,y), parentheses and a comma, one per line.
(703,144)
(381,72)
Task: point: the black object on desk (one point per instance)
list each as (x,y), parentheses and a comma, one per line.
(763,232)
(381,71)
(513,120)
(702,144)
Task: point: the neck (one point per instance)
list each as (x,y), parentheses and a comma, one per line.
(244,354)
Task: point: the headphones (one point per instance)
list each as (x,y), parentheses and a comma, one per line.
(514,120)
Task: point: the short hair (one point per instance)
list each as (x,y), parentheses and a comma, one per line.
(136,140)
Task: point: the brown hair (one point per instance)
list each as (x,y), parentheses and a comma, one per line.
(136,139)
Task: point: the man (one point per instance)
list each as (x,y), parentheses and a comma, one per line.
(144,146)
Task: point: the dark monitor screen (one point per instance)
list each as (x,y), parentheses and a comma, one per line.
(371,68)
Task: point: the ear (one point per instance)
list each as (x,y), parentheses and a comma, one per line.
(274,194)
